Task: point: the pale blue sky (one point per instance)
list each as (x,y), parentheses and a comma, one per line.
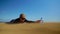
(49,10)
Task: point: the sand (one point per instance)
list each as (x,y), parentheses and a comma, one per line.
(30,28)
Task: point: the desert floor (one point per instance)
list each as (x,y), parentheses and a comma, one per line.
(30,28)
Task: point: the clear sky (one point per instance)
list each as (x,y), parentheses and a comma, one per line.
(49,10)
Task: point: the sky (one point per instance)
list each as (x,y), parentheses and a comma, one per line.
(49,10)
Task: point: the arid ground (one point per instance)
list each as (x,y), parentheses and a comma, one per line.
(30,28)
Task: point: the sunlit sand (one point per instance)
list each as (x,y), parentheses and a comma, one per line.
(30,28)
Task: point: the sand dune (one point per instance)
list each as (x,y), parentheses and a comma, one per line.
(30,28)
